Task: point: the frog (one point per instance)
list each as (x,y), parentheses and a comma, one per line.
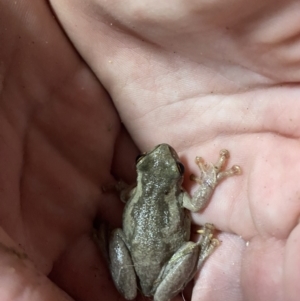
(152,252)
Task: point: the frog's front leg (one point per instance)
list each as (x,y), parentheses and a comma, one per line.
(183,265)
(121,266)
(211,175)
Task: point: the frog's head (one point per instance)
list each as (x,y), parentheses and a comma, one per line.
(162,163)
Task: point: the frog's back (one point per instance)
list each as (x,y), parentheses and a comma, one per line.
(155,226)
(154,223)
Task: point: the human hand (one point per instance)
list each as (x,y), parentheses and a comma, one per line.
(199,76)
(61,141)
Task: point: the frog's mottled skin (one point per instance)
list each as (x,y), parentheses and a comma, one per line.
(153,250)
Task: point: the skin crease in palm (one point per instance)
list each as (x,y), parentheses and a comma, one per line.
(87,85)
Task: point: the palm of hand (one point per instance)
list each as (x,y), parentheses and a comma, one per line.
(59,132)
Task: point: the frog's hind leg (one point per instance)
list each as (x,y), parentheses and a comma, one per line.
(184,264)
(177,272)
(121,266)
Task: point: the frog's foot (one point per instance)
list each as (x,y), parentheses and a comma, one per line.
(223,158)
(211,175)
(207,243)
(208,169)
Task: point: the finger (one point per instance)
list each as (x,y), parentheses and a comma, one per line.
(20,280)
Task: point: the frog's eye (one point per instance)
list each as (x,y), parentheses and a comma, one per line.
(180,167)
(139,157)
